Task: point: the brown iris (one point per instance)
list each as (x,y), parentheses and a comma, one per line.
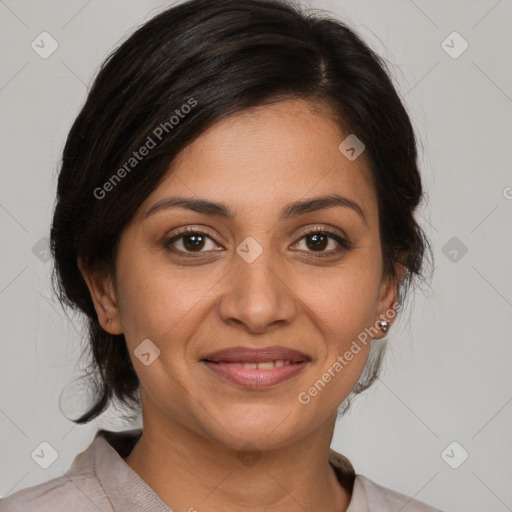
(318,241)
(193,242)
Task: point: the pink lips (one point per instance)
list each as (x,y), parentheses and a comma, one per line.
(256,368)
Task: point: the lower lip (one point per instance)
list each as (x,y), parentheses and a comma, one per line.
(254,378)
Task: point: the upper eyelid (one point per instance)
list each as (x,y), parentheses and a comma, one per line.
(322,228)
(315,228)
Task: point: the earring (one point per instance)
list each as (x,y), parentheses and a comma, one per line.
(383,325)
(109,321)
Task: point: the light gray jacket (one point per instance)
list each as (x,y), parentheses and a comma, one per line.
(99,480)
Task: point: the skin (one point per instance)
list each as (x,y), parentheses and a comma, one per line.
(195,423)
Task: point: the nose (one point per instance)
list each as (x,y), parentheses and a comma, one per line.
(258,296)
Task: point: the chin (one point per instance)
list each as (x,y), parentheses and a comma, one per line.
(264,427)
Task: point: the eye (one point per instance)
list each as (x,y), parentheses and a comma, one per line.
(190,240)
(318,240)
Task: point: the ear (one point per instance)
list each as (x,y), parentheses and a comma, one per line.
(103,296)
(388,299)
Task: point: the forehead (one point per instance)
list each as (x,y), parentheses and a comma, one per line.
(267,156)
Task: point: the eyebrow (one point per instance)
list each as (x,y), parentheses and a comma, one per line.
(220,210)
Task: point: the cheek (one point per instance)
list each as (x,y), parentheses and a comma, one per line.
(343,300)
(158,303)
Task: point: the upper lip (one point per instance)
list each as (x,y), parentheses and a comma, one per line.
(256,355)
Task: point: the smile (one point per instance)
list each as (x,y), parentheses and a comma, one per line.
(256,375)
(256,368)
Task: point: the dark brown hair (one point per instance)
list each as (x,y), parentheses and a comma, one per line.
(221,57)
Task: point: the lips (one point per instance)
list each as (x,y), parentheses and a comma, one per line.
(256,368)
(260,355)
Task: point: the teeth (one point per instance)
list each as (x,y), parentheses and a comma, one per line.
(267,365)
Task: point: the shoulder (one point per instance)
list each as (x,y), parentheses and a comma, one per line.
(60,494)
(77,490)
(376,497)
(368,496)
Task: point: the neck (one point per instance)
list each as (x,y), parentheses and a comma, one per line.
(189,471)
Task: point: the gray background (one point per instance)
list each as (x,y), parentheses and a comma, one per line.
(447,373)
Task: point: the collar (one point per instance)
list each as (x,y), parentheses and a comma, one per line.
(109,448)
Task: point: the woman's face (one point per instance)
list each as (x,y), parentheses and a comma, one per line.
(253,280)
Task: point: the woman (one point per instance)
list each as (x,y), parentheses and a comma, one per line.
(235,217)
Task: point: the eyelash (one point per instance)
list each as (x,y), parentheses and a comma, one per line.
(344,244)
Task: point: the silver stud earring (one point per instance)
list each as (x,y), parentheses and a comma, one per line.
(383,325)
(109,321)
